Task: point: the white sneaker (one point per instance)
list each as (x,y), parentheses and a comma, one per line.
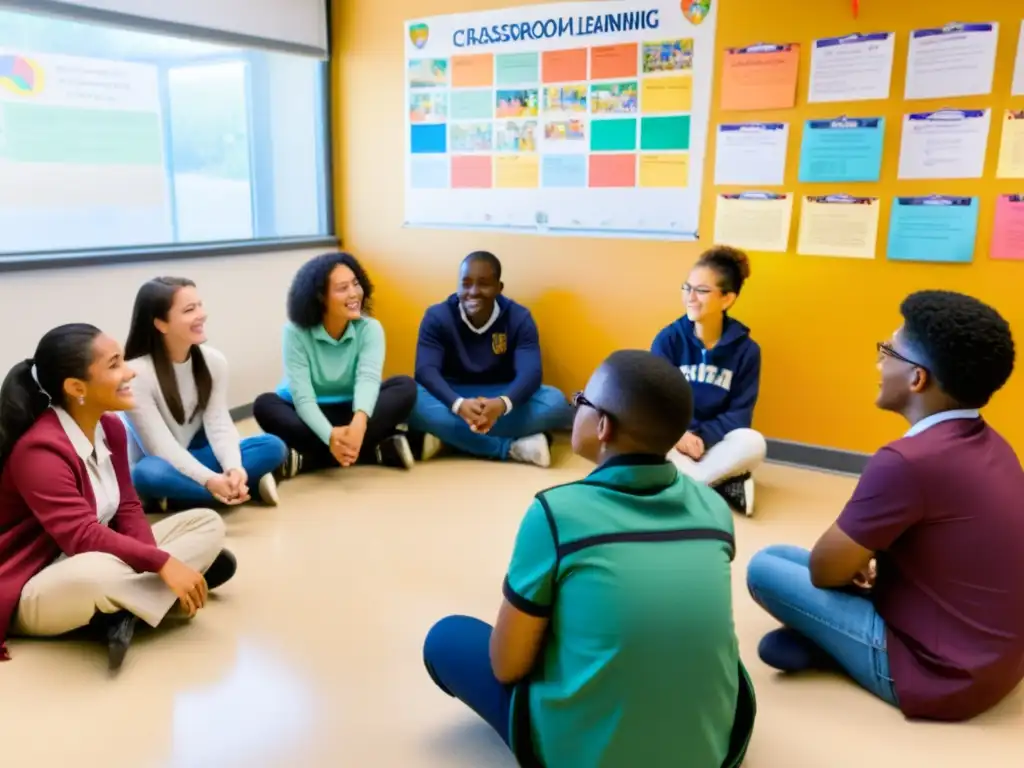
(748,494)
(431,447)
(267,490)
(531,450)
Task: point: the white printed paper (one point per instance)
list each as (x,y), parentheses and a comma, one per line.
(949,144)
(751,154)
(955,60)
(852,68)
(1018,71)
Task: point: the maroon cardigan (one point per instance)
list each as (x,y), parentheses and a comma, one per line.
(47,507)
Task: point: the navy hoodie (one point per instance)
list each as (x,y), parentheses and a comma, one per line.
(449,353)
(725,379)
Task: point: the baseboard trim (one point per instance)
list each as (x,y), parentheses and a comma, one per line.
(816,457)
(779,451)
(242,412)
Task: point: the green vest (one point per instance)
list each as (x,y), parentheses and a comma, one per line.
(640,667)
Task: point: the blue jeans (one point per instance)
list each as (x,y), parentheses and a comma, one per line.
(844,625)
(458,660)
(155,478)
(546,411)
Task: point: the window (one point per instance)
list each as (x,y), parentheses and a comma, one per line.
(115,138)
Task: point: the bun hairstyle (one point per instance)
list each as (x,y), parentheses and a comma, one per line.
(730,264)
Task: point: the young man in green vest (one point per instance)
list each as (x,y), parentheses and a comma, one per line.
(615,644)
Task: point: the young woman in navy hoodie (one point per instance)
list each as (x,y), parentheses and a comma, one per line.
(723,365)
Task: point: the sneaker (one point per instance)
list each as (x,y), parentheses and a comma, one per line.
(395,452)
(738,493)
(531,450)
(221,571)
(431,447)
(291,467)
(267,490)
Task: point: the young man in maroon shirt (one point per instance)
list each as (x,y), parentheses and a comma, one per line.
(917,590)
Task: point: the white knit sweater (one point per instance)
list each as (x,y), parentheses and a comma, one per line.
(156,432)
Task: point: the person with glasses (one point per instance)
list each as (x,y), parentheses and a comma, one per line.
(916,591)
(723,365)
(479,373)
(615,643)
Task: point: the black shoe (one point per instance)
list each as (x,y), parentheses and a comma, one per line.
(738,493)
(395,452)
(221,571)
(117,631)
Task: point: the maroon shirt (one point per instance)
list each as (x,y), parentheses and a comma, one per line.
(47,507)
(944,511)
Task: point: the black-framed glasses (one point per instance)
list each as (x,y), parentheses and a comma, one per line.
(580,401)
(885,349)
(700,290)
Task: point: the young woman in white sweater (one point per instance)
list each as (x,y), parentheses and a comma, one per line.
(188,450)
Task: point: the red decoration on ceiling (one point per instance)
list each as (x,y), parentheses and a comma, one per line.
(856,8)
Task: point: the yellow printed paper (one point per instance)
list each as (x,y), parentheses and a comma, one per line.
(839,225)
(754,221)
(516,171)
(1011,150)
(665,170)
(666,94)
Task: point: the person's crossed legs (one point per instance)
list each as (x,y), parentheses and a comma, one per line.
(843,625)
(457,657)
(546,411)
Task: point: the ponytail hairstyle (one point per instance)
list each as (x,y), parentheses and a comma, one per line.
(153,302)
(34,384)
(731,265)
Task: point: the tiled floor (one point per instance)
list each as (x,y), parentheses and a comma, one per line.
(310,658)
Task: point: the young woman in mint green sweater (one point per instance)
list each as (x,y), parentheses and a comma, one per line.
(332,409)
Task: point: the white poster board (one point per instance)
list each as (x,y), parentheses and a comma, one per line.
(585,118)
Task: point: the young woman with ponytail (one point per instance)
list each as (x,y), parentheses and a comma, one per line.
(75,547)
(187,449)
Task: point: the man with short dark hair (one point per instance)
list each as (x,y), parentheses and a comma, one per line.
(615,644)
(917,590)
(479,373)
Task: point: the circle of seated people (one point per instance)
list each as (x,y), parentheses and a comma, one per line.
(914,592)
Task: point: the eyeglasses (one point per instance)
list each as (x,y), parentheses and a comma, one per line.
(885,349)
(700,290)
(579,401)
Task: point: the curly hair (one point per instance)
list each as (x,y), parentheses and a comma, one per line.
(307,295)
(730,264)
(966,344)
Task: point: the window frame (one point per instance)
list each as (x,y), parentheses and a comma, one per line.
(90,257)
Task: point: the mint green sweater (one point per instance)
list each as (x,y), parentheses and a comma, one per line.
(320,369)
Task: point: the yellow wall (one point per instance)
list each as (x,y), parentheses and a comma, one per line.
(816,319)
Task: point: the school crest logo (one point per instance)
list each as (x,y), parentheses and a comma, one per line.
(419,34)
(499,343)
(695,11)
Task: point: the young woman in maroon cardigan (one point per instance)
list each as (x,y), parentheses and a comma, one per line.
(75,546)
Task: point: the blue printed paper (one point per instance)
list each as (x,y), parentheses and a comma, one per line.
(842,150)
(937,228)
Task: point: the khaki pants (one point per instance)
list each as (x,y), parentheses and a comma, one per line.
(66,595)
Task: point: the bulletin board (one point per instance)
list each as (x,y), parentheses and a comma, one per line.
(817,316)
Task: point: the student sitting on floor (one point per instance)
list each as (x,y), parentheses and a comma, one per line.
(917,590)
(723,365)
(615,644)
(332,409)
(187,449)
(479,374)
(75,547)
